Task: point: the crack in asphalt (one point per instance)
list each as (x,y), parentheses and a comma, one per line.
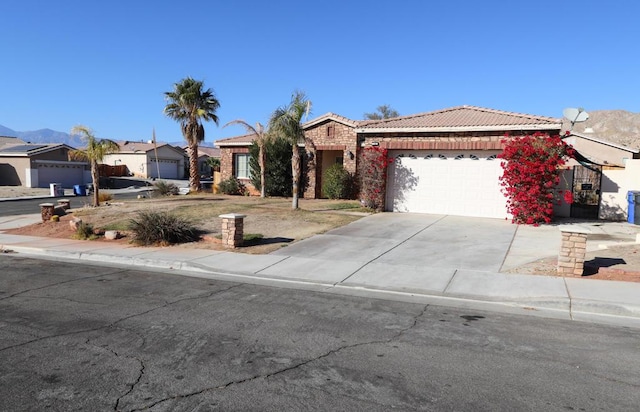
(67,299)
(112,324)
(60,283)
(296,366)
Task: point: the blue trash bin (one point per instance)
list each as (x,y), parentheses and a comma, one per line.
(79,190)
(631,200)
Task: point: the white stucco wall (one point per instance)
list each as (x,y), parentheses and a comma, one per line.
(616,183)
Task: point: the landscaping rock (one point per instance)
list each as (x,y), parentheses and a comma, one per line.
(111,235)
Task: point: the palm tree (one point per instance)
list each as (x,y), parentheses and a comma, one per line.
(261,140)
(190,105)
(286,123)
(94,152)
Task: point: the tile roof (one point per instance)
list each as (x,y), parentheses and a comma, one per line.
(209,151)
(463,118)
(29,149)
(331,116)
(243,140)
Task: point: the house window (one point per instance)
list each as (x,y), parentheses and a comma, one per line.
(241,166)
(340,161)
(331,131)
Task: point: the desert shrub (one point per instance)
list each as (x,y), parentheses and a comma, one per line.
(232,186)
(84,231)
(151,228)
(105,197)
(165,188)
(337,183)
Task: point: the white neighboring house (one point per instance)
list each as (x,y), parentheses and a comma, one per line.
(140,159)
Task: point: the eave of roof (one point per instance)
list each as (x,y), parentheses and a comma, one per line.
(601,141)
(331,116)
(244,140)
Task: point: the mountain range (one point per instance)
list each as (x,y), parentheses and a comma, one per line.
(616,126)
(43,136)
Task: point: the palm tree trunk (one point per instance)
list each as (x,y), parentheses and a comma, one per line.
(194,176)
(295,169)
(95,177)
(262,159)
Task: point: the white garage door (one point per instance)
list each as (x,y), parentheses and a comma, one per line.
(168,168)
(65,174)
(462,183)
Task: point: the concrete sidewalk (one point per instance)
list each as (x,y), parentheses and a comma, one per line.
(388,265)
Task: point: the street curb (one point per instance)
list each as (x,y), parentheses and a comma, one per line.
(547,307)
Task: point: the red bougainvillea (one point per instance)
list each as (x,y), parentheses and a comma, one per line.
(373,176)
(531,167)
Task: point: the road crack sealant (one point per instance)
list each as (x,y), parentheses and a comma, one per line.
(287,369)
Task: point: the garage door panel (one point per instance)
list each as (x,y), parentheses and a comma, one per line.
(463,186)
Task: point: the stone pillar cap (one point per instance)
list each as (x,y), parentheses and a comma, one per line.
(45,204)
(232,216)
(575,229)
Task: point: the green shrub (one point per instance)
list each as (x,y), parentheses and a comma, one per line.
(337,183)
(165,188)
(232,186)
(151,228)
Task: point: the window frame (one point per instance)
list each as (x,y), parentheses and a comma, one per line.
(236,165)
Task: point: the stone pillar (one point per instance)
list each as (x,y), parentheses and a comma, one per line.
(232,229)
(64,203)
(46,211)
(572,250)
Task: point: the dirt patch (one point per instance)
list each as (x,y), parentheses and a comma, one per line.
(620,263)
(271,218)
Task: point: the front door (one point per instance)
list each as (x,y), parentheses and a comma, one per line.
(586,191)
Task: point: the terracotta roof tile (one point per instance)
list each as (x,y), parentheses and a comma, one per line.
(462,117)
(209,151)
(246,139)
(331,116)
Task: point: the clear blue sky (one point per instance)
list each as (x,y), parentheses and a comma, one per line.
(106,64)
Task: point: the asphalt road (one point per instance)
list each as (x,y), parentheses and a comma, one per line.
(78,337)
(27,206)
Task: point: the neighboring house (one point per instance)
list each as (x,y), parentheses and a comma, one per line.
(600,151)
(146,160)
(39,165)
(204,153)
(599,178)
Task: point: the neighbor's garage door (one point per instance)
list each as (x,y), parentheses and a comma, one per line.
(168,168)
(65,174)
(452,183)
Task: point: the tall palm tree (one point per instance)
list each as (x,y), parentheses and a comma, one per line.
(261,140)
(286,123)
(94,152)
(190,105)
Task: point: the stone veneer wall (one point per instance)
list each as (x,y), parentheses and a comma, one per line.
(226,166)
(343,137)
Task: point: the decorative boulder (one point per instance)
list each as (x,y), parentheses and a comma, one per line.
(111,235)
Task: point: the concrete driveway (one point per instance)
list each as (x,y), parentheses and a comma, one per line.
(406,252)
(428,248)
